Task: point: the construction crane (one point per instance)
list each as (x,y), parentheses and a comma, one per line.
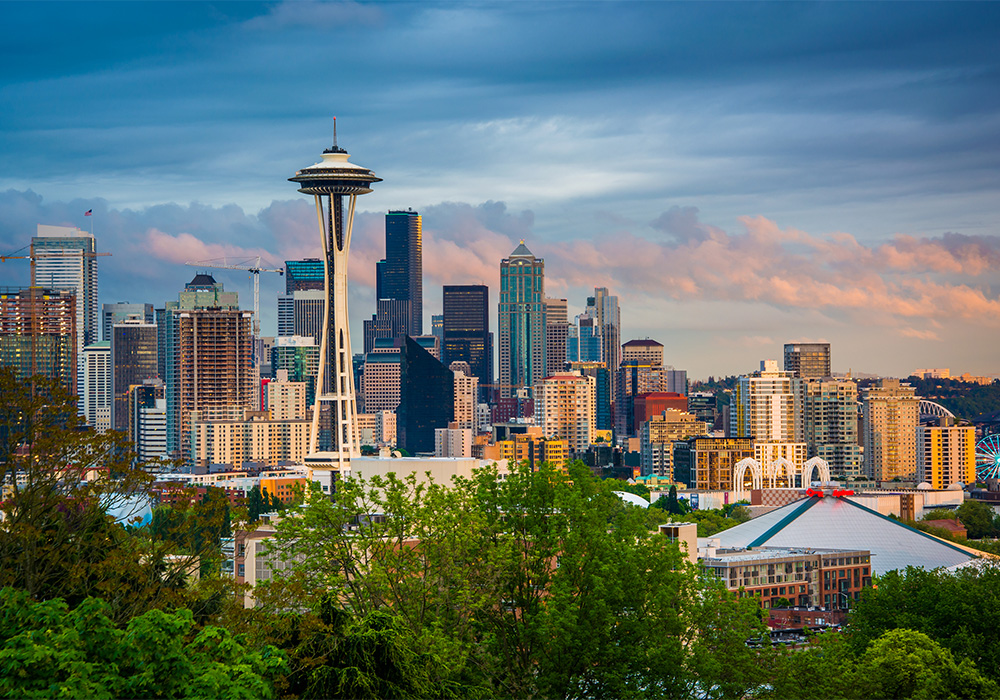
(33,256)
(254,268)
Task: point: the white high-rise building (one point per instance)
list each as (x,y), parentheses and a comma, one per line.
(452,442)
(566,407)
(466,388)
(65,258)
(768,405)
(97,393)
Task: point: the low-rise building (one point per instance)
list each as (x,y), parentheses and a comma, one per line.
(789,576)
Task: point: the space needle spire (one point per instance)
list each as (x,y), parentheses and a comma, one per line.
(335,185)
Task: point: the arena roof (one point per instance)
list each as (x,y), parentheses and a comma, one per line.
(838,523)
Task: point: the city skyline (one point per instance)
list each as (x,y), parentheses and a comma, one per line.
(837,187)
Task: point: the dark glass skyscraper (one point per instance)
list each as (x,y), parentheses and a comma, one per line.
(808,360)
(426,398)
(466,332)
(302,275)
(402,273)
(133,360)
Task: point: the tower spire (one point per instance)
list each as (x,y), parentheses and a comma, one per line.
(334,148)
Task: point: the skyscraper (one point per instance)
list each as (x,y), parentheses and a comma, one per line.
(565,408)
(97,385)
(426,398)
(466,329)
(299,357)
(303,275)
(768,405)
(830,408)
(330,182)
(389,322)
(522,320)
(208,358)
(38,333)
(403,273)
(65,258)
(890,412)
(116,313)
(808,360)
(556,332)
(946,454)
(603,308)
(300,312)
(583,341)
(133,361)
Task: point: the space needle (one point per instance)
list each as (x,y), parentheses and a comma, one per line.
(334,183)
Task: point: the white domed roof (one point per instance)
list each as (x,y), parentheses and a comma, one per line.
(633,499)
(923,486)
(957,486)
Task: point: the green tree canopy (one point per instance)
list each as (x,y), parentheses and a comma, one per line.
(959,610)
(542,583)
(48,650)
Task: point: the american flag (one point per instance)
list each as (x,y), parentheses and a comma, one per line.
(89,212)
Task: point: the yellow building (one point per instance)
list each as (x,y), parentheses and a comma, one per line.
(525,448)
(946,454)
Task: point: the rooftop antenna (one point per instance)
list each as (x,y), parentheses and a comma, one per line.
(335,148)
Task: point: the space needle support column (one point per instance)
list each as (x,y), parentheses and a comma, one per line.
(334,178)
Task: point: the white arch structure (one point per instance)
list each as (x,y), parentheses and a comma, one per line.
(779,470)
(739,472)
(930,409)
(818,464)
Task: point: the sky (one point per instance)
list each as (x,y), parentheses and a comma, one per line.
(741,175)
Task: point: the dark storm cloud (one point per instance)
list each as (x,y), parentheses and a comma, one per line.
(180,122)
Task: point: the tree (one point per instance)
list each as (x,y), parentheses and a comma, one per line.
(977,517)
(47,650)
(542,583)
(900,663)
(959,610)
(906,664)
(61,480)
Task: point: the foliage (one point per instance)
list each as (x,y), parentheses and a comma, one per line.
(711,521)
(670,504)
(57,539)
(332,655)
(259,501)
(538,584)
(61,480)
(960,610)
(637,488)
(940,514)
(900,663)
(47,650)
(979,519)
(964,399)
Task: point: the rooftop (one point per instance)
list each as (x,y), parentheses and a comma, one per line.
(839,523)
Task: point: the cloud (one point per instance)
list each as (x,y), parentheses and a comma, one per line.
(904,277)
(919,334)
(313,14)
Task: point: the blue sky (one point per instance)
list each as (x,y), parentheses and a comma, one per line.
(740,174)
